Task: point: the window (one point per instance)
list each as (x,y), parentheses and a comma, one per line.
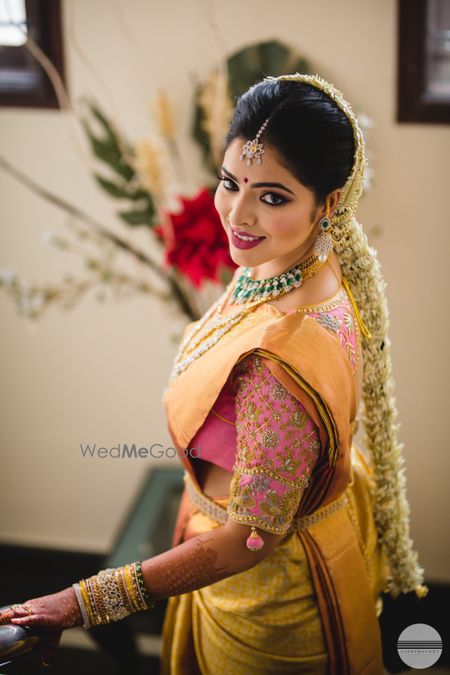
(23,82)
(13,12)
(423,85)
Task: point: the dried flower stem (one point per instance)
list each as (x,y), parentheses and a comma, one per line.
(167,277)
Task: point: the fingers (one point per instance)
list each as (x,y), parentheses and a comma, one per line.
(50,647)
(15,610)
(59,610)
(28,614)
(22,610)
(24,615)
(6,615)
(31,620)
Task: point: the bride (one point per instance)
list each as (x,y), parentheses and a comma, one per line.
(287,533)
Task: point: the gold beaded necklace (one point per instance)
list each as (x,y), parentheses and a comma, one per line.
(213,325)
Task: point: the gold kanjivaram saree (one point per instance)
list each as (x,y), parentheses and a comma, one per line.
(311,605)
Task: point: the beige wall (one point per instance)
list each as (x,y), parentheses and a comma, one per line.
(96,374)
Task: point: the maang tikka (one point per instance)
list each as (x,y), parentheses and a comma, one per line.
(254,149)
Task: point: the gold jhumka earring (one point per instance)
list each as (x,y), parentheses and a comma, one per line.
(324,242)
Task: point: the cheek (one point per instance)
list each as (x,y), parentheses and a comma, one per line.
(290,225)
(219,203)
(284,226)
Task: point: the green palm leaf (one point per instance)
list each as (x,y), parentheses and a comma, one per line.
(245,68)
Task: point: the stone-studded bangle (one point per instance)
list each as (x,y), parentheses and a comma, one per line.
(99,597)
(94,600)
(113,594)
(116,603)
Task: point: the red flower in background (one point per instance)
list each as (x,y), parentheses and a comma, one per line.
(198,245)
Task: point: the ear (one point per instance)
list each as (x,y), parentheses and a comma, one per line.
(334,198)
(333,201)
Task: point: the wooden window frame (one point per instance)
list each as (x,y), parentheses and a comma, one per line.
(45,26)
(412,104)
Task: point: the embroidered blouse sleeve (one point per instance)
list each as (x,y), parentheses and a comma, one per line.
(278,445)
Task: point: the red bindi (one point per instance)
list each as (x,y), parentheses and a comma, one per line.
(245,180)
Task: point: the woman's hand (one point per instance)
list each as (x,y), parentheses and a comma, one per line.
(56,612)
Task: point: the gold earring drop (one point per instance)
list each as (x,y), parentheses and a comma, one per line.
(324,242)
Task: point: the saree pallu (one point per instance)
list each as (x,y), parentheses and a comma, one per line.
(269,619)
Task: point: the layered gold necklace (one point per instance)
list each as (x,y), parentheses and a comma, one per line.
(213,325)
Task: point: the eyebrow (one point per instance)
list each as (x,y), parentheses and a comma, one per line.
(256,185)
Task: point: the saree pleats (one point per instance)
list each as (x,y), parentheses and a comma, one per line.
(265,620)
(308,607)
(178,651)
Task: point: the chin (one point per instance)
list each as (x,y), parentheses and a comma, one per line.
(239,254)
(238,258)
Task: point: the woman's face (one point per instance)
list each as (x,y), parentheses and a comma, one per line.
(265,200)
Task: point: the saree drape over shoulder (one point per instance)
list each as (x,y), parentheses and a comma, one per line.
(311,605)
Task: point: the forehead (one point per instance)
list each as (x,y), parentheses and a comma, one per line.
(271,167)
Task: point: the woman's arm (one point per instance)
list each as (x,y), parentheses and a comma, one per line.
(197,562)
(277,446)
(203,560)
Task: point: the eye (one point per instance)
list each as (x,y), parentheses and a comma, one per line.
(281,199)
(224,179)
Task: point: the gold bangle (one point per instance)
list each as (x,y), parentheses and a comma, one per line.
(114,593)
(123,590)
(146,599)
(137,588)
(131,589)
(87,602)
(104,617)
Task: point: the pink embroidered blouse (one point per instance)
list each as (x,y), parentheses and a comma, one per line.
(263,435)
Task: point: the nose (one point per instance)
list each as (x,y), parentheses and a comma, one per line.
(239,217)
(239,226)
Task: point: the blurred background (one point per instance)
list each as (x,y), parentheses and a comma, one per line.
(109,116)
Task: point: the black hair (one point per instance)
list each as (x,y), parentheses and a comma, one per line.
(311,135)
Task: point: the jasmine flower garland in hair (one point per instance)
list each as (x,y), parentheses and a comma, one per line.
(361,268)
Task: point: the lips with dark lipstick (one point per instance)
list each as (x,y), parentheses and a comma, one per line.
(244,240)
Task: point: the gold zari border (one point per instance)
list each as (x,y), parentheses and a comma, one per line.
(218,513)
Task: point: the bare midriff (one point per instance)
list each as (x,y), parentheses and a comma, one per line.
(214,480)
